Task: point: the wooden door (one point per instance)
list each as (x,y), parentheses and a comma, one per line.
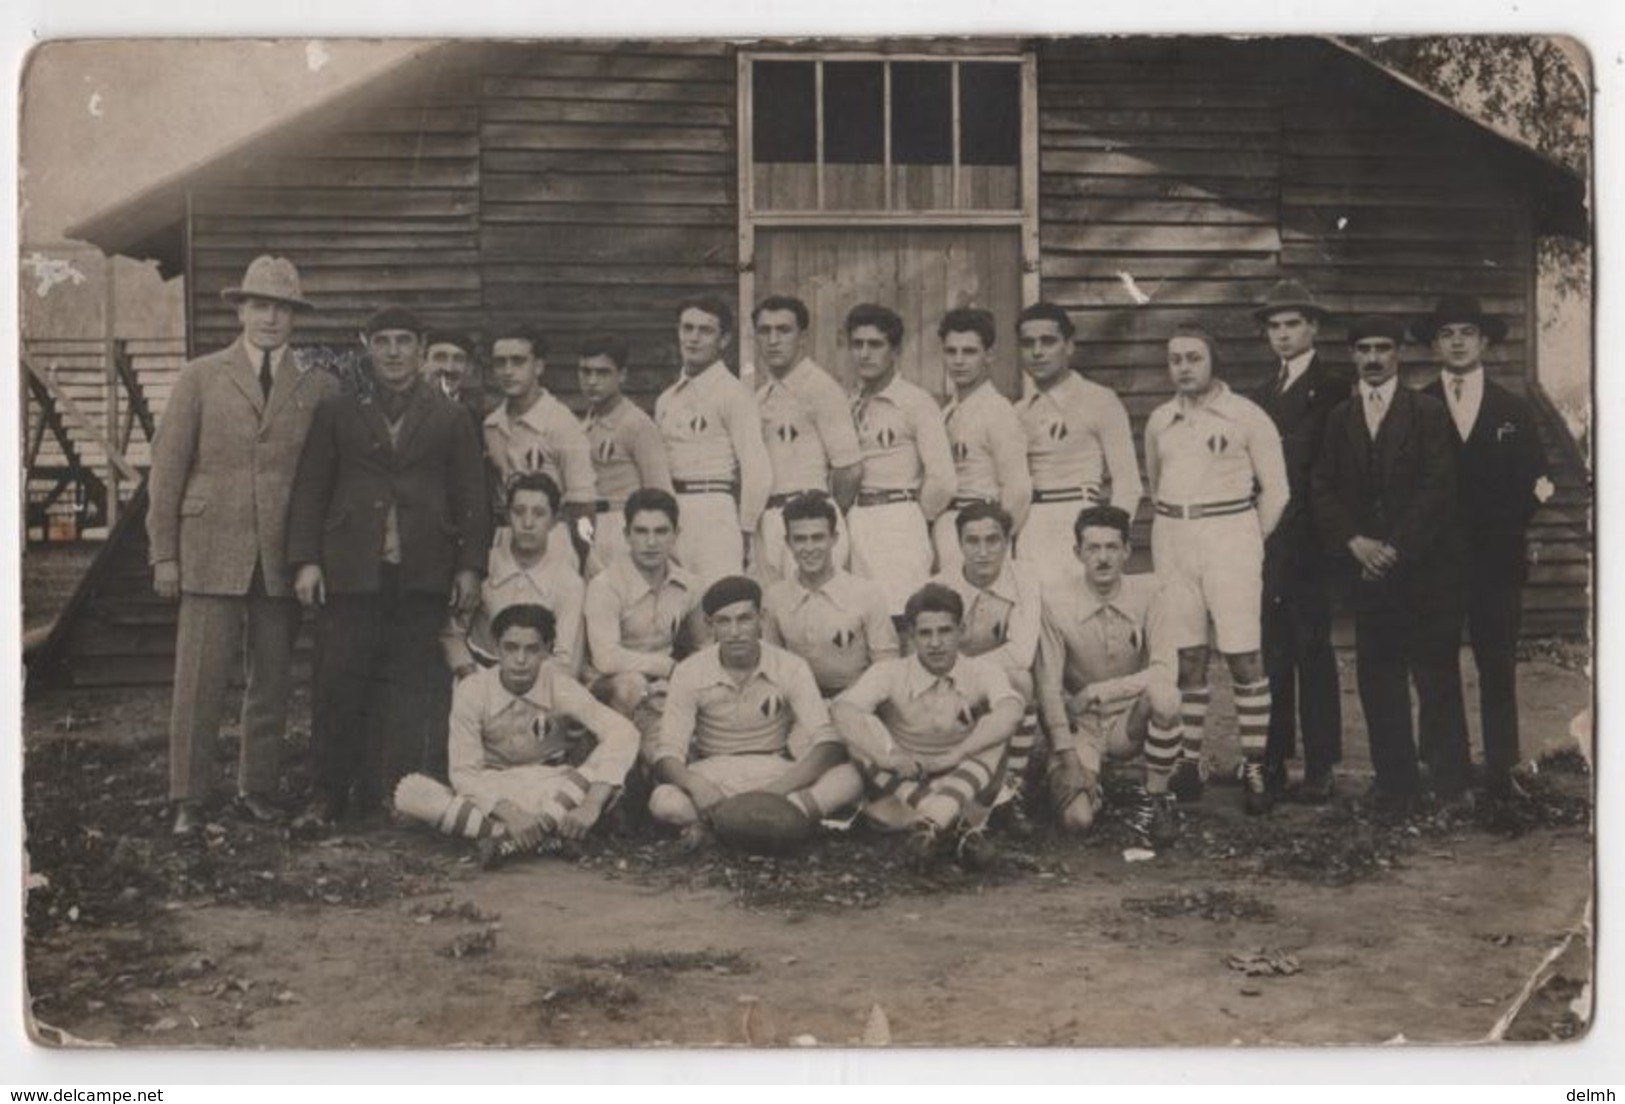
(919,272)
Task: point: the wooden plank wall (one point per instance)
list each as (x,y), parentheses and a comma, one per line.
(608,193)
(1205,171)
(376,205)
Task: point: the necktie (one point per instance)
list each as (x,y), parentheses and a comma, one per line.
(1374,408)
(265,373)
(1282,379)
(1456,384)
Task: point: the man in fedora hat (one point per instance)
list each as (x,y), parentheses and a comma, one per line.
(1384,490)
(388,527)
(1297,608)
(1500,483)
(222,469)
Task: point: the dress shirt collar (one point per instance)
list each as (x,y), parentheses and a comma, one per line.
(1472,386)
(892,392)
(532,416)
(504,566)
(801,368)
(1386,390)
(713,673)
(1297,366)
(1219,400)
(704,376)
(607,410)
(500,697)
(837,588)
(1007,584)
(631,583)
(1069,382)
(255,355)
(1091,603)
(917,680)
(955,400)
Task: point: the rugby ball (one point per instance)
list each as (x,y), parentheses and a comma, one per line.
(760,823)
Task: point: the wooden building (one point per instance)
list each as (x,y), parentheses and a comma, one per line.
(1138,181)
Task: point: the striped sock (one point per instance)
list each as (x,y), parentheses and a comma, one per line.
(1161,753)
(1020,751)
(1253,718)
(463,818)
(1193,703)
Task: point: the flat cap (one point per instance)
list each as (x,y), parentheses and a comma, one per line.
(393,318)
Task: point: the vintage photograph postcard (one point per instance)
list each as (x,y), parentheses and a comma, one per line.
(932,541)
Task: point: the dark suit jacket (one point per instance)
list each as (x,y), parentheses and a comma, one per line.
(350,474)
(1496,470)
(1300,414)
(1400,489)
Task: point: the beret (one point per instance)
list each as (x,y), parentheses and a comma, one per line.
(728,590)
(1376,325)
(393,318)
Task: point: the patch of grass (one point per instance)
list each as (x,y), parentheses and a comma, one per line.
(563,997)
(1209,904)
(665,963)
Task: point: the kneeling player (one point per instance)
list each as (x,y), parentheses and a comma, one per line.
(742,717)
(1105,689)
(512,782)
(931,733)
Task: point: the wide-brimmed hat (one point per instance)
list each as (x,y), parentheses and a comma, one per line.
(1288,295)
(273,278)
(1459,308)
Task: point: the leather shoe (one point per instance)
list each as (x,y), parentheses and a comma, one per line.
(1317,789)
(314,822)
(188,819)
(1506,789)
(1186,784)
(1257,798)
(254,807)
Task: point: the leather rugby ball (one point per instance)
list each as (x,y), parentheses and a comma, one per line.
(760,823)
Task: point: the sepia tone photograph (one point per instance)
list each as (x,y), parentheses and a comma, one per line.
(1135,493)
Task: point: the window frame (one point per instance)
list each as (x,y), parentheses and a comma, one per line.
(1026,163)
(1023,219)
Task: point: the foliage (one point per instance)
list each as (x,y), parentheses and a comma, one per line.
(1527,86)
(1524,85)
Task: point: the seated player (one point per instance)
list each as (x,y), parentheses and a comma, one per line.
(642,613)
(743,716)
(1107,684)
(834,620)
(1003,612)
(520,571)
(931,734)
(512,785)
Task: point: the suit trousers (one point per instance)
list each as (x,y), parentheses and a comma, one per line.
(382,694)
(209,638)
(1494,616)
(1302,669)
(1396,643)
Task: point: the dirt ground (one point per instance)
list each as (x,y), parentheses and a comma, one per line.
(1310,926)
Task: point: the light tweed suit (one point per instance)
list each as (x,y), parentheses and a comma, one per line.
(222,473)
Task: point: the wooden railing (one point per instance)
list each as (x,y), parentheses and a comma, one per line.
(92,409)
